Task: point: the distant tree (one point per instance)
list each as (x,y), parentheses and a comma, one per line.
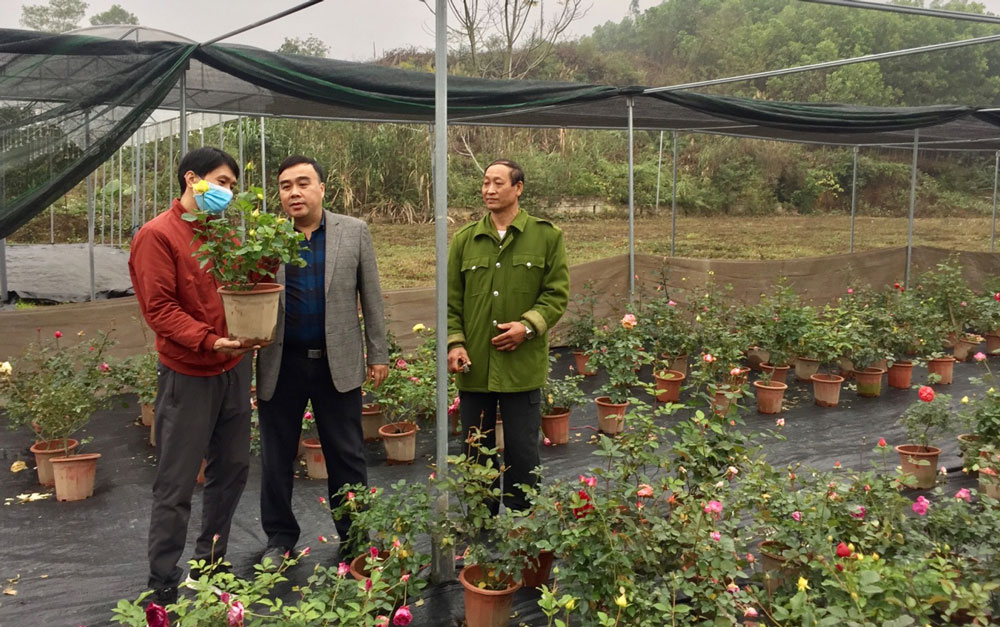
(311,46)
(115,15)
(58,16)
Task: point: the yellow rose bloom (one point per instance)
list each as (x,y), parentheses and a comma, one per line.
(256,213)
(418,327)
(200,187)
(621,601)
(6,369)
(570,604)
(803,584)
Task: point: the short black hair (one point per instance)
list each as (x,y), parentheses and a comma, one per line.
(203,160)
(299,159)
(516,173)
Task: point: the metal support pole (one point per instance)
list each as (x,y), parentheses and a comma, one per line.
(184,121)
(631,203)
(104,182)
(4,294)
(121,191)
(263,166)
(442,558)
(141,138)
(659,162)
(993,223)
(913,203)
(135,184)
(673,201)
(52,223)
(222,136)
(156,172)
(170,163)
(243,170)
(90,214)
(854,194)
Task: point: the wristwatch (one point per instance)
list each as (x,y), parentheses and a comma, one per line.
(529,332)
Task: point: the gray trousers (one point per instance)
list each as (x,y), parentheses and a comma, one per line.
(197,417)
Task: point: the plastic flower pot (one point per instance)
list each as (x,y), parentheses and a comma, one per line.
(805,368)
(610,416)
(315,461)
(962,349)
(769,396)
(943,367)
(846,367)
(669,383)
(581,363)
(826,389)
(74,476)
(45,451)
(400,441)
(989,485)
(555,426)
(371,420)
(869,382)
(722,401)
(252,314)
(779,373)
(968,444)
(920,462)
(484,607)
(538,570)
(992,343)
(901,375)
(677,362)
(146,411)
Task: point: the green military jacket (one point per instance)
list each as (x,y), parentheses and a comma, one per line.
(524,277)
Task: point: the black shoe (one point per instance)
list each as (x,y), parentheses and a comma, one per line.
(163,596)
(276,555)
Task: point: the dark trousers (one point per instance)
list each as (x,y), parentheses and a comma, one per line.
(338,421)
(196,418)
(522,420)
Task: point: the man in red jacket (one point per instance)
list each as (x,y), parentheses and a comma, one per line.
(203,395)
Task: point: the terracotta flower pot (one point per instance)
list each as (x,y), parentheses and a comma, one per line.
(968,444)
(757,356)
(315,461)
(846,367)
(669,381)
(780,372)
(400,441)
(912,458)
(610,416)
(146,411)
(538,570)
(359,565)
(722,401)
(992,343)
(989,485)
(869,382)
(677,362)
(962,349)
(44,452)
(486,608)
(901,375)
(826,389)
(371,420)
(555,426)
(775,566)
(805,368)
(581,364)
(769,396)
(944,367)
(252,314)
(74,476)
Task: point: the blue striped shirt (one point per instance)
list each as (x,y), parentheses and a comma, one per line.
(305,294)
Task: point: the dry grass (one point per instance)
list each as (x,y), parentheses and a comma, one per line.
(406,252)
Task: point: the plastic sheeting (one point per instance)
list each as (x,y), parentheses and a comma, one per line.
(60,273)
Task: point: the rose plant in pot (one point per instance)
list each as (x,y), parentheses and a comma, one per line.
(924,420)
(980,414)
(619,351)
(826,345)
(559,396)
(987,320)
(947,294)
(781,323)
(139,374)
(578,327)
(56,386)
(671,335)
(912,334)
(241,249)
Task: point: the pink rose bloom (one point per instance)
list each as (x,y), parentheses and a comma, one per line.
(381,621)
(401,364)
(322,539)
(104,367)
(671,303)
(750,613)
(859,512)
(402,616)
(307,416)
(797,516)
(156,616)
(547,442)
(350,496)
(368,585)
(235,614)
(964,495)
(714,508)
(454,406)
(708,358)
(780,422)
(920,506)
(850,290)
(405,577)
(715,535)
(343,569)
(373,552)
(415,379)
(629,321)
(58,334)
(589,481)
(980,356)
(645,491)
(735,372)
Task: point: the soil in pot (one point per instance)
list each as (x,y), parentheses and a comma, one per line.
(581,363)
(44,452)
(901,375)
(920,462)
(483,607)
(944,367)
(75,476)
(555,426)
(400,441)
(869,382)
(668,383)
(610,416)
(826,389)
(315,461)
(769,396)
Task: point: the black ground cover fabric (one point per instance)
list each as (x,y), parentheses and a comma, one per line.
(73,561)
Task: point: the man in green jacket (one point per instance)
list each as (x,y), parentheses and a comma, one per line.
(508,284)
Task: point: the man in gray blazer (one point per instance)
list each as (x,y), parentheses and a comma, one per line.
(318,354)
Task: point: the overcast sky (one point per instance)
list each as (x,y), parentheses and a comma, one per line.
(356,30)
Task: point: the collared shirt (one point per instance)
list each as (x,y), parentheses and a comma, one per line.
(523,276)
(305,294)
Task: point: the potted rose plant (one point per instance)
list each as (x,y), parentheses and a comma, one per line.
(559,397)
(987,320)
(671,334)
(579,325)
(981,415)
(923,420)
(241,249)
(619,351)
(947,294)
